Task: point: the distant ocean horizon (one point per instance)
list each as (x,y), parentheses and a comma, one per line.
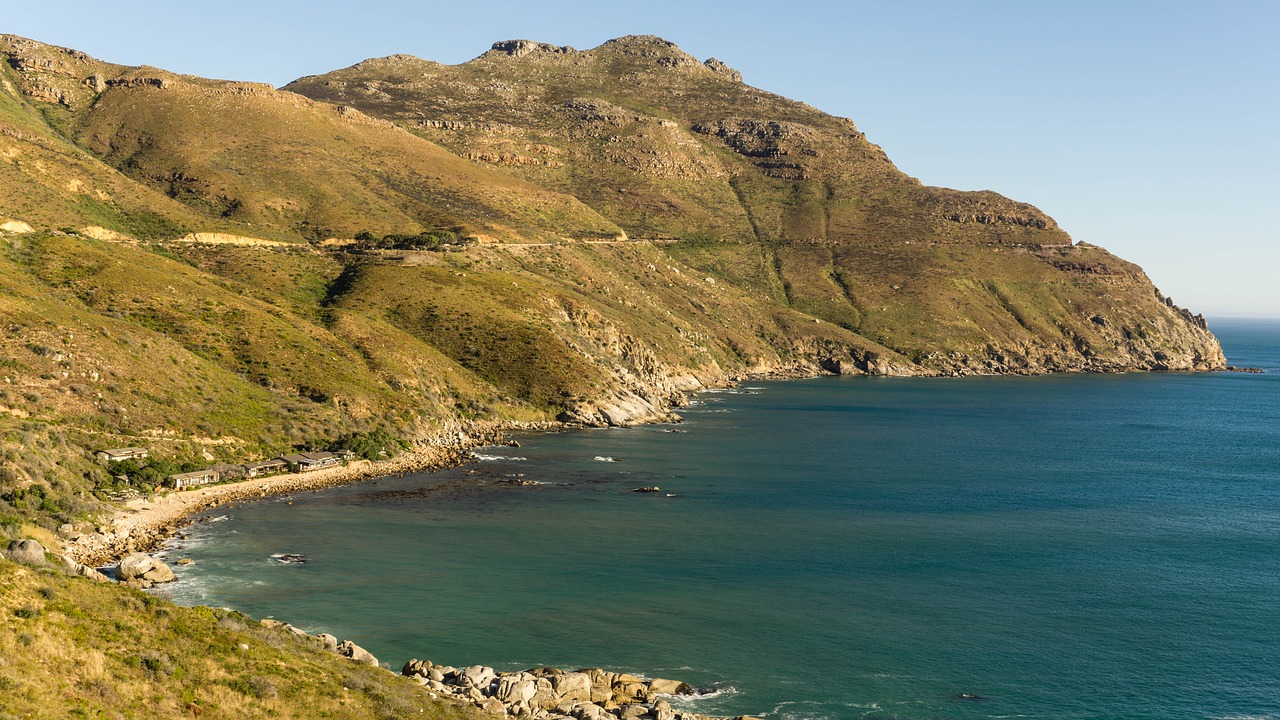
(1065,546)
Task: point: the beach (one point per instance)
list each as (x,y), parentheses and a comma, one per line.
(142,524)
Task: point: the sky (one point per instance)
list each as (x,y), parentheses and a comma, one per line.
(1149,128)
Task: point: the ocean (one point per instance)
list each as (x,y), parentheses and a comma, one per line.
(1070,546)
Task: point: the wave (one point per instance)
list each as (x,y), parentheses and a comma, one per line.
(605,458)
(491,458)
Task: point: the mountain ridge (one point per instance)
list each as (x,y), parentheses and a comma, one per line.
(278,268)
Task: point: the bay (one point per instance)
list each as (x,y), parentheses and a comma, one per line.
(1071,546)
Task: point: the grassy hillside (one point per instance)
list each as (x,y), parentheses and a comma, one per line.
(75,648)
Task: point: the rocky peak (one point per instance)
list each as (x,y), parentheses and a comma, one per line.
(521,48)
(720,68)
(650,46)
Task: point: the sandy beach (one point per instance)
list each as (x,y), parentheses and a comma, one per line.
(141,524)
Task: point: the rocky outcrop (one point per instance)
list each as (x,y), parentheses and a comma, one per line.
(521,48)
(720,68)
(348,649)
(554,694)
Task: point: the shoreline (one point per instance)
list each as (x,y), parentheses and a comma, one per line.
(144,524)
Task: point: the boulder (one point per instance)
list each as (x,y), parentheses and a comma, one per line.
(416,667)
(346,648)
(85,571)
(544,697)
(670,687)
(590,711)
(634,712)
(493,705)
(631,692)
(518,688)
(661,710)
(144,568)
(330,642)
(476,676)
(26,551)
(574,686)
(271,624)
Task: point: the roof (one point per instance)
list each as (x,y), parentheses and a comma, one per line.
(124,451)
(274,462)
(308,457)
(196,474)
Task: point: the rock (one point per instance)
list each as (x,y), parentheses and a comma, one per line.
(670,687)
(517,688)
(346,648)
(630,689)
(416,667)
(26,551)
(436,674)
(574,686)
(271,624)
(186,561)
(85,571)
(476,676)
(590,711)
(15,227)
(634,712)
(544,697)
(145,569)
(74,568)
(493,705)
(661,710)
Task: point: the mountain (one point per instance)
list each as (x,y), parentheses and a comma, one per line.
(223,269)
(784,201)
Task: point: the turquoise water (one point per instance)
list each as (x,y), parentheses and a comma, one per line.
(1062,547)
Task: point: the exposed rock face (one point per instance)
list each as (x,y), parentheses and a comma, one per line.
(144,570)
(722,69)
(520,48)
(15,227)
(28,552)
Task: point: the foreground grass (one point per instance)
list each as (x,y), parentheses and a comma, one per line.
(70,647)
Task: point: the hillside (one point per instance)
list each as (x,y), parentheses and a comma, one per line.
(583,236)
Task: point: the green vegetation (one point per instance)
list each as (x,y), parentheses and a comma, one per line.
(75,648)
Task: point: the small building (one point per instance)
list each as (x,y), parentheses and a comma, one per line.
(193,479)
(122,454)
(265,467)
(308,461)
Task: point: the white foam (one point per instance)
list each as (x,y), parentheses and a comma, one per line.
(605,458)
(220,518)
(491,458)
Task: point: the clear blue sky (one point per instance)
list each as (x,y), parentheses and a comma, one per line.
(1150,128)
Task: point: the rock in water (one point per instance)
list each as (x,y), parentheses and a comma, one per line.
(670,687)
(26,551)
(144,568)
